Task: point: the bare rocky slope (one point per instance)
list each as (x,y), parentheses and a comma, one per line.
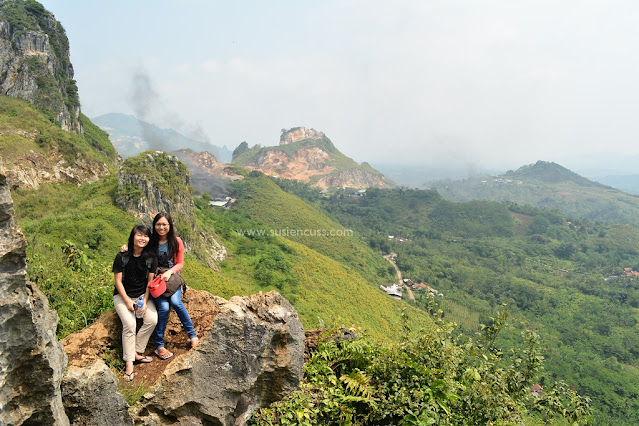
(309,156)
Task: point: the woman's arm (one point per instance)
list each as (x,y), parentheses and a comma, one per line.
(178,259)
(117,276)
(146,293)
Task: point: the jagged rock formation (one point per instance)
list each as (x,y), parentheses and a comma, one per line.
(31,359)
(34,62)
(250,354)
(297,134)
(155,182)
(309,156)
(34,169)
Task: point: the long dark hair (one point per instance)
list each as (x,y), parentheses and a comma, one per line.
(142,230)
(171,239)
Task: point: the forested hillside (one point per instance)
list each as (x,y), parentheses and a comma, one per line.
(564,279)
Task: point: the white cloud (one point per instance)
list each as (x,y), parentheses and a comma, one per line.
(210,65)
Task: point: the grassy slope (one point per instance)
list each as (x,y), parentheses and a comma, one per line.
(284,214)
(338,277)
(17,116)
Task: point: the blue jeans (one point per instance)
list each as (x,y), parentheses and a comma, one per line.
(164,308)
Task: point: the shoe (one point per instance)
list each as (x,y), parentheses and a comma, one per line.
(128,376)
(195,341)
(143,360)
(166,355)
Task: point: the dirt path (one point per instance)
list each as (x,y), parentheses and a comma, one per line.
(400,281)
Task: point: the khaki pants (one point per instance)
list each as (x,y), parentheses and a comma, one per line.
(130,342)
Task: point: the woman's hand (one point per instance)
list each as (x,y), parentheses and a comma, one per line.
(132,305)
(124,248)
(167,275)
(143,309)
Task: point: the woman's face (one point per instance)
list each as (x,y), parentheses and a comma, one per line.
(140,240)
(162,227)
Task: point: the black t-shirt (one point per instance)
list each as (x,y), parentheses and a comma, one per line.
(136,273)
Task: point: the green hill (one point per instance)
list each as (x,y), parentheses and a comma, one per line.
(549,186)
(564,280)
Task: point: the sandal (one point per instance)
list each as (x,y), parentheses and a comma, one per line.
(143,360)
(128,376)
(165,355)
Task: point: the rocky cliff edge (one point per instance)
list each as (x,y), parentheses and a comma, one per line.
(250,354)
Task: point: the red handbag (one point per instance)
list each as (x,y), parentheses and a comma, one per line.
(157,287)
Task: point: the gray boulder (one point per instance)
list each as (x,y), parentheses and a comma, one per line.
(252,356)
(91,396)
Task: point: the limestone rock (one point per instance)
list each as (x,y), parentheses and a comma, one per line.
(91,396)
(31,359)
(352,178)
(153,198)
(313,159)
(297,134)
(251,357)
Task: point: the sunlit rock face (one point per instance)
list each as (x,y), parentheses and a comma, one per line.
(31,69)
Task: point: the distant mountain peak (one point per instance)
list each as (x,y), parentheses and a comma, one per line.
(549,172)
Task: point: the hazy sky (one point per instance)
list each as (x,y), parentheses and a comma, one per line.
(478,83)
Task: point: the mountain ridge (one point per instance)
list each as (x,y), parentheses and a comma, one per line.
(549,186)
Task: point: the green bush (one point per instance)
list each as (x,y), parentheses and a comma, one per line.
(428,378)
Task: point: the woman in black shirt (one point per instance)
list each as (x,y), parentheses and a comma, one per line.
(132,272)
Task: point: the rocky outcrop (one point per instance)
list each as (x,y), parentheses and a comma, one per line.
(207,174)
(155,182)
(33,67)
(31,359)
(207,162)
(250,354)
(297,134)
(33,169)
